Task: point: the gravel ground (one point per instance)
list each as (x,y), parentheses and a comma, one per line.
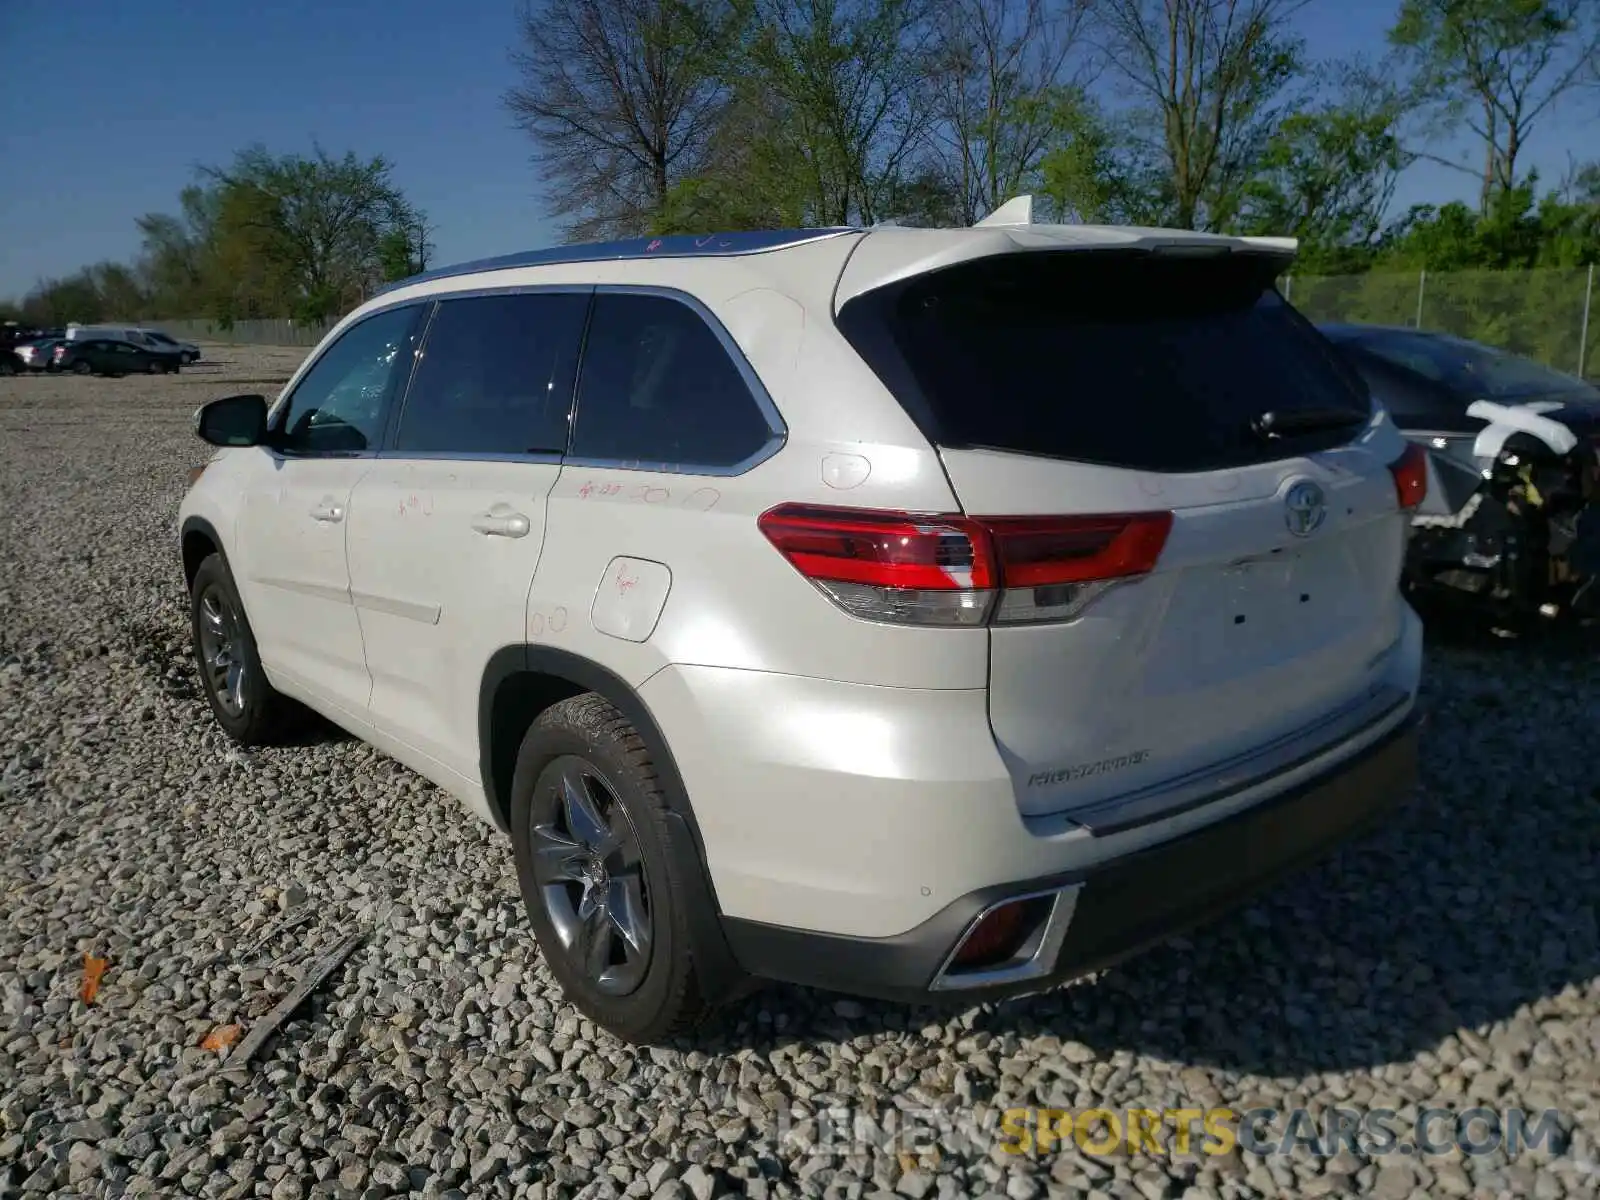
(1451,959)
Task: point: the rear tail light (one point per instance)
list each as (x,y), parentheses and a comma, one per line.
(964,571)
(1410,473)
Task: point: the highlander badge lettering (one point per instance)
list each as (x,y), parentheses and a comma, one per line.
(1084,770)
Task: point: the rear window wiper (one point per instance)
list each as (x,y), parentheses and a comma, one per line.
(1280,422)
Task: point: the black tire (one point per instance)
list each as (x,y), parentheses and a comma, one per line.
(82,368)
(7,367)
(157,367)
(190,358)
(251,711)
(668,998)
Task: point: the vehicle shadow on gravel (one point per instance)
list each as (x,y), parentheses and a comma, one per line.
(1473,901)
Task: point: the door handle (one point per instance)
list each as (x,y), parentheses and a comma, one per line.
(327,510)
(500,522)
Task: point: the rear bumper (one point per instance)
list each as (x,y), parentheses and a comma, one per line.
(1107,911)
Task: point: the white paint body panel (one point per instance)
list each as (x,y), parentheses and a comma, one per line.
(629,600)
(1243,633)
(292,573)
(437,596)
(846,776)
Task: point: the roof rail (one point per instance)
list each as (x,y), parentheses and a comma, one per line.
(679,245)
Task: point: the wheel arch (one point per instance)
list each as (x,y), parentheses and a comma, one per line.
(518,684)
(198,539)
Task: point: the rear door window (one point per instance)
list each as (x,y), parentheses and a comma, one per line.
(495,376)
(1128,360)
(659,389)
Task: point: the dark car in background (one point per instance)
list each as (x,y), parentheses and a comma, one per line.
(156,340)
(1512,514)
(104,356)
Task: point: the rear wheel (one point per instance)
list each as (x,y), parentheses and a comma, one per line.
(249,709)
(7,367)
(157,367)
(82,368)
(598,870)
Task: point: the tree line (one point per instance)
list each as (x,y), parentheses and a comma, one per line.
(678,116)
(688,116)
(304,236)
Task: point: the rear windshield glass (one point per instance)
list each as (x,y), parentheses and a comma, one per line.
(1128,360)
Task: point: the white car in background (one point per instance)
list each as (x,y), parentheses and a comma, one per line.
(903,612)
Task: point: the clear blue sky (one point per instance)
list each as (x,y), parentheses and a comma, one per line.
(107,108)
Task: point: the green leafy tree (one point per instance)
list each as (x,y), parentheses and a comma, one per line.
(838,91)
(1091,176)
(322,220)
(1327,173)
(1496,67)
(75,297)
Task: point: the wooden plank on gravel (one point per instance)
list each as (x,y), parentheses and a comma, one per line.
(314,978)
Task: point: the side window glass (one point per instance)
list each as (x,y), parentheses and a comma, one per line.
(657,386)
(495,376)
(338,407)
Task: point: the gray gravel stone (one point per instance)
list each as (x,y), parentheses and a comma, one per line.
(1449,958)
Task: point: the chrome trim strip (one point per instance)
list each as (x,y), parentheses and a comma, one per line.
(1337,733)
(1036,958)
(716,245)
(320,591)
(427,614)
(540,459)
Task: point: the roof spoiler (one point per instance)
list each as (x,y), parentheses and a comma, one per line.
(1019,211)
(1016,211)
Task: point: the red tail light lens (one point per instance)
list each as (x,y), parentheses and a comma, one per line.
(884,549)
(895,567)
(1036,551)
(954,570)
(1410,473)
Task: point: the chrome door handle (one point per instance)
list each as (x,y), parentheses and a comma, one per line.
(496,523)
(327,511)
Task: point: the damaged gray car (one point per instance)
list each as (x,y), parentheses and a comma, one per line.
(1512,515)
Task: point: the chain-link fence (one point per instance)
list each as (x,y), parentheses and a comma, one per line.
(1544,314)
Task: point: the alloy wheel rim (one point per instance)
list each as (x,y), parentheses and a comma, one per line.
(219,650)
(589,870)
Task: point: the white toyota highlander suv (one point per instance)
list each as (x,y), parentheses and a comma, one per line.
(902,612)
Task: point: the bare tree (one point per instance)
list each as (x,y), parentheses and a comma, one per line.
(1209,77)
(1004,80)
(621,98)
(1498,66)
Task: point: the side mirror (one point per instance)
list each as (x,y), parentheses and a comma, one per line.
(233,421)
